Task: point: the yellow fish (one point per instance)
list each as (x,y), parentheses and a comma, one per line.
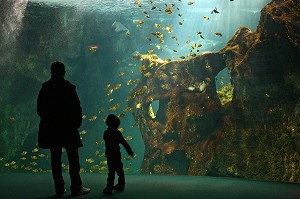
(101,111)
(84,117)
(115,107)
(117,86)
(103,162)
(121,74)
(129,82)
(93,118)
(35,170)
(128,138)
(33,163)
(97,152)
(23,152)
(191,2)
(83,132)
(27,168)
(34,157)
(42,155)
(107,86)
(121,115)
(121,130)
(206,18)
(102,168)
(35,150)
(22,158)
(111,99)
(90,160)
(99,142)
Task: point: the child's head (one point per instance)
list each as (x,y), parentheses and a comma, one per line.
(112,121)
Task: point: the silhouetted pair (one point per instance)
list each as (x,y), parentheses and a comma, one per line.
(61,115)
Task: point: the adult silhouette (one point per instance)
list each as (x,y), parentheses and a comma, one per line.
(59,108)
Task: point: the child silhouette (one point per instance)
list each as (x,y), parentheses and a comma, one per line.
(113,137)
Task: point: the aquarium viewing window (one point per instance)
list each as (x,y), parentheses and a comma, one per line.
(202,88)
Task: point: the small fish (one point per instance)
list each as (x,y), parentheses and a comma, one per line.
(215,11)
(128,158)
(35,170)
(129,82)
(93,48)
(118,62)
(180,15)
(128,138)
(117,86)
(97,152)
(218,34)
(148,38)
(107,86)
(83,132)
(153,7)
(121,115)
(147,16)
(35,150)
(102,168)
(34,157)
(181,57)
(121,130)
(33,163)
(42,155)
(115,107)
(110,92)
(180,23)
(191,2)
(12,163)
(93,118)
(206,17)
(110,100)
(138,3)
(22,158)
(103,162)
(139,22)
(27,168)
(201,37)
(162,41)
(23,152)
(99,142)
(101,111)
(84,117)
(145,12)
(90,160)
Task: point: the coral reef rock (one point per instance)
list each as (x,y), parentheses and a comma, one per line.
(254,136)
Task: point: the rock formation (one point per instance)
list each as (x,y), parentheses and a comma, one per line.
(256,135)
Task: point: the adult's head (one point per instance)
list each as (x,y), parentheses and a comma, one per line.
(58,69)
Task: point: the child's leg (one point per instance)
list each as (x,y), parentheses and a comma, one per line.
(120,172)
(111,175)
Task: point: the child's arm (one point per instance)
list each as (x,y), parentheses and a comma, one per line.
(126,145)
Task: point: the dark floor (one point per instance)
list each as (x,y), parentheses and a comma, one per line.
(23,186)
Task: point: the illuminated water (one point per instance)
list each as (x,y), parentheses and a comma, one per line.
(35,33)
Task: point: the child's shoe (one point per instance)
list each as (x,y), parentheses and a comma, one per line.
(119,187)
(107,191)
